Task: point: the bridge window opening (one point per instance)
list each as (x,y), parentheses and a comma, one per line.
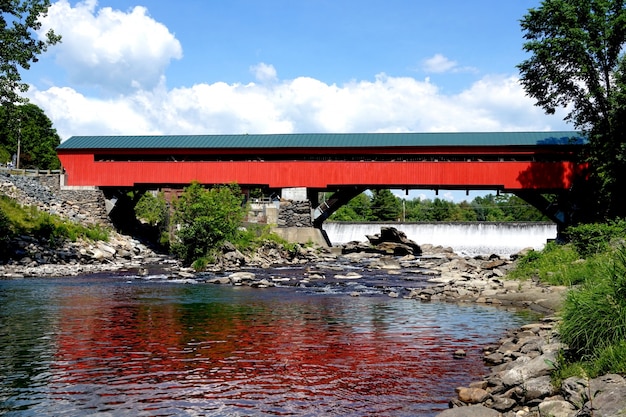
(204,157)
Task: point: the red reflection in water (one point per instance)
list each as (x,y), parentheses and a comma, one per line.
(290,358)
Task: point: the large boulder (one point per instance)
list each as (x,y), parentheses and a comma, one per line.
(393,241)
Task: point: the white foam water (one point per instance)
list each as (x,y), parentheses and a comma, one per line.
(466,238)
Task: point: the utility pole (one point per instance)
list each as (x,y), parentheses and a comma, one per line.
(19,142)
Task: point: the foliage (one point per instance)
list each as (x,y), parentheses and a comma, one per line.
(205,218)
(16,219)
(385,206)
(38,139)
(254,236)
(19,20)
(577,62)
(556,265)
(594,315)
(357,210)
(593,238)
(152,209)
(488,208)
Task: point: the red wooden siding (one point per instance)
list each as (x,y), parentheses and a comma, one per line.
(82,170)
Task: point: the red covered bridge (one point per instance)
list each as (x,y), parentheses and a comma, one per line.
(526,163)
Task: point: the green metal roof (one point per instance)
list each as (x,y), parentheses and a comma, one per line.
(324,140)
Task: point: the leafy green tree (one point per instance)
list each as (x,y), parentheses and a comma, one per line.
(385,206)
(577,62)
(357,210)
(466,212)
(19,20)
(154,211)
(206,218)
(416,209)
(38,139)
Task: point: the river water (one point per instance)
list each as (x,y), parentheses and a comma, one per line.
(121,345)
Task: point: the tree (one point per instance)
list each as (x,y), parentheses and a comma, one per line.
(357,210)
(19,20)
(206,218)
(38,139)
(385,206)
(577,62)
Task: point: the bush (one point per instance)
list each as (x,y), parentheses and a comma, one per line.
(593,238)
(594,316)
(152,209)
(205,218)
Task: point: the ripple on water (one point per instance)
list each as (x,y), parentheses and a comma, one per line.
(75,346)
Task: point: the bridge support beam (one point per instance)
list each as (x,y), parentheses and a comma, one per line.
(557,211)
(332,204)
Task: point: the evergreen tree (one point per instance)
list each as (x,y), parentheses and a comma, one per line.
(385,206)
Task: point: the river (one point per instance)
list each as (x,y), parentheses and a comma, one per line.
(122,345)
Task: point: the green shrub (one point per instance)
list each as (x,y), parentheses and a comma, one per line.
(152,209)
(594,315)
(205,218)
(556,265)
(593,238)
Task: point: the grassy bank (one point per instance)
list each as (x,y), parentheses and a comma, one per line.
(594,313)
(16,220)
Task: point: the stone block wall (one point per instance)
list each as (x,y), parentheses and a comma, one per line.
(295,214)
(43,191)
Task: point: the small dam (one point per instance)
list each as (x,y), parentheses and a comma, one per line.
(465,238)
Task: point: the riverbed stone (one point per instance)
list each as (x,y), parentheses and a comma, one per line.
(470,411)
(472,395)
(556,408)
(528,369)
(536,388)
(608,394)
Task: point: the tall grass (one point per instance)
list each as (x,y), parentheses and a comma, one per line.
(20,220)
(594,315)
(556,265)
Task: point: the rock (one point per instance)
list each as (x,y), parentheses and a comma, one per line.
(556,408)
(472,395)
(239,277)
(349,275)
(459,354)
(537,388)
(609,396)
(539,366)
(391,240)
(503,404)
(471,411)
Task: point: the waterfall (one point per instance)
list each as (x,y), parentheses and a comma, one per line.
(468,238)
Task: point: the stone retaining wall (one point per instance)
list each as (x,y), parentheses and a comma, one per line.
(295,214)
(44,192)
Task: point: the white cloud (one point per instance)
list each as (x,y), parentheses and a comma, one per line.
(264,72)
(301,105)
(438,64)
(110,49)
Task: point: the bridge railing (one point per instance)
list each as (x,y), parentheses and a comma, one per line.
(15,171)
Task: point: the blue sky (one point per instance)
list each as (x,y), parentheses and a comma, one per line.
(285,66)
